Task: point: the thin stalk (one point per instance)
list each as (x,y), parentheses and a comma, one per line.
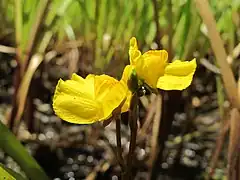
(170,30)
(22,59)
(41,13)
(193,34)
(119,145)
(219,51)
(7,49)
(18,28)
(237,168)
(155,130)
(186,27)
(133,116)
(35,61)
(142,134)
(220,96)
(96,43)
(219,144)
(156,18)
(233,146)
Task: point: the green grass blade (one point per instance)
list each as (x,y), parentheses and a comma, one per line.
(10,145)
(9,174)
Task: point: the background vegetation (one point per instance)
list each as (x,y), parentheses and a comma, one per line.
(42,41)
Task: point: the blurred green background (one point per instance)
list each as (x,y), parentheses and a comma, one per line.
(44,40)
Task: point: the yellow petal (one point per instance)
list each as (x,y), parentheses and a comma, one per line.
(74,106)
(178,75)
(134,53)
(127,102)
(87,85)
(110,93)
(151,66)
(127,73)
(103,85)
(74,88)
(133,43)
(125,78)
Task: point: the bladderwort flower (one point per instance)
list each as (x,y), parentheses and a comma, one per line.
(152,68)
(95,98)
(89,100)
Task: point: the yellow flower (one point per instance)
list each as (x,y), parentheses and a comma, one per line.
(152,67)
(85,101)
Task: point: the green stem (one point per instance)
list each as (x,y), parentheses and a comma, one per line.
(10,145)
(170,30)
(18,22)
(18,28)
(133,116)
(156,19)
(119,145)
(40,16)
(220,96)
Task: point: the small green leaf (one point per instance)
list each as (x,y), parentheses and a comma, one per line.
(5,175)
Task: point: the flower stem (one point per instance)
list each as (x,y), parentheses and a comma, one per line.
(119,145)
(133,115)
